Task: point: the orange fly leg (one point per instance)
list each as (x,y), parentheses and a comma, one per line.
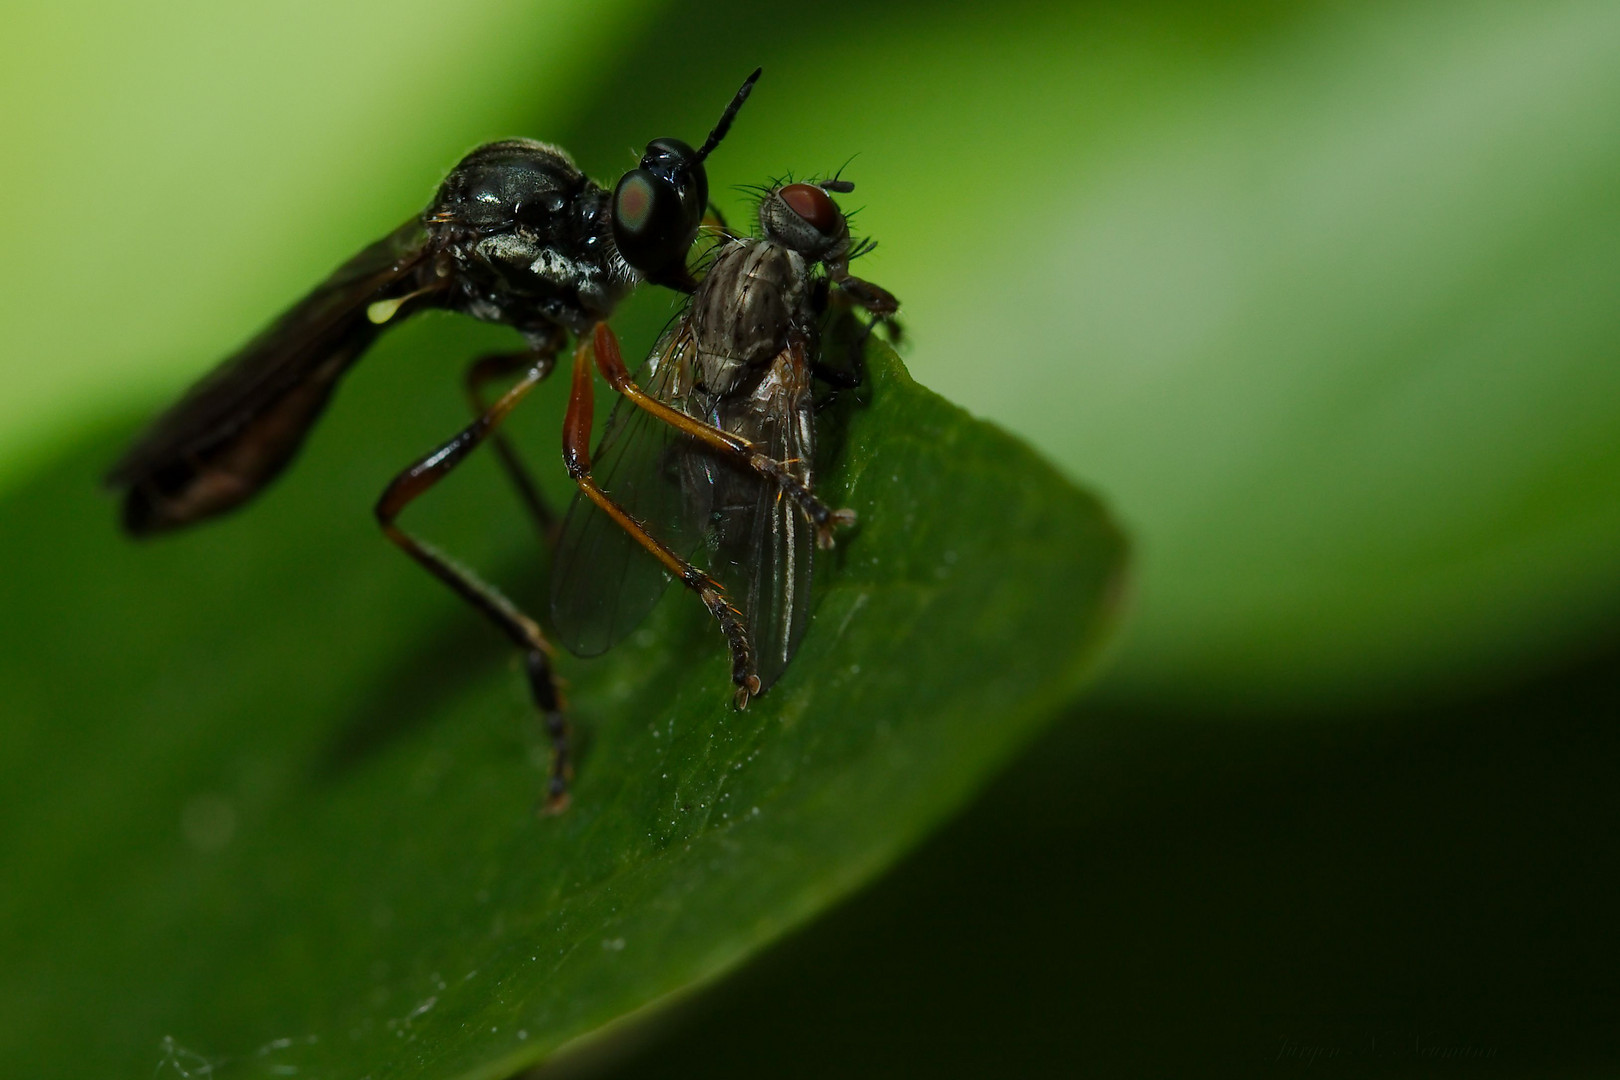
(577,457)
(610,362)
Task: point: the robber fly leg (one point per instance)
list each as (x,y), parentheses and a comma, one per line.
(519,627)
(611,363)
(577,456)
(487,369)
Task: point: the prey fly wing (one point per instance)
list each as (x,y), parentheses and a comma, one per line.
(762,546)
(603,582)
(721,515)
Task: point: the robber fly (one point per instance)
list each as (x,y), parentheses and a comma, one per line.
(707,456)
(517,235)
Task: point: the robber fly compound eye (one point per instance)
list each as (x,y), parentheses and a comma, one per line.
(657,208)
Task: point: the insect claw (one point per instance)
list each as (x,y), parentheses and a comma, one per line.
(746,689)
(836,520)
(557,797)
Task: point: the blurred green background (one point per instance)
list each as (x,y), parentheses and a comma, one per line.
(1321,296)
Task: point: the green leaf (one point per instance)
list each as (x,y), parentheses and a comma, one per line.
(269,791)
(1392,896)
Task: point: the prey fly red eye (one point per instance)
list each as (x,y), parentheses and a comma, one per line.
(814,205)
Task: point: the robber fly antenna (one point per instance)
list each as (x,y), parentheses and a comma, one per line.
(728,116)
(659,207)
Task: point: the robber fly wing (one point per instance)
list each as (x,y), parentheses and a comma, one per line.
(762,544)
(240,425)
(603,582)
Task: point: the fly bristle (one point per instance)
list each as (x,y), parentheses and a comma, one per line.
(865,246)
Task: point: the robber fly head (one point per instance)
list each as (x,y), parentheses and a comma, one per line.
(658,207)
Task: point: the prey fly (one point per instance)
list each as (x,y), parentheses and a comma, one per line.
(704,471)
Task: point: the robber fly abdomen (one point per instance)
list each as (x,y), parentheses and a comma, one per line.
(516,234)
(708,459)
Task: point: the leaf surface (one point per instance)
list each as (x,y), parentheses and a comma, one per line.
(272,791)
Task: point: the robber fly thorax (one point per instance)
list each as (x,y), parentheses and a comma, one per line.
(520,236)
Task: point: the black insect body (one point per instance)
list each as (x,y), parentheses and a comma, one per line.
(708,456)
(516,234)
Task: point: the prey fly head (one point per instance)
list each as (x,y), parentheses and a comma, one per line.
(803,217)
